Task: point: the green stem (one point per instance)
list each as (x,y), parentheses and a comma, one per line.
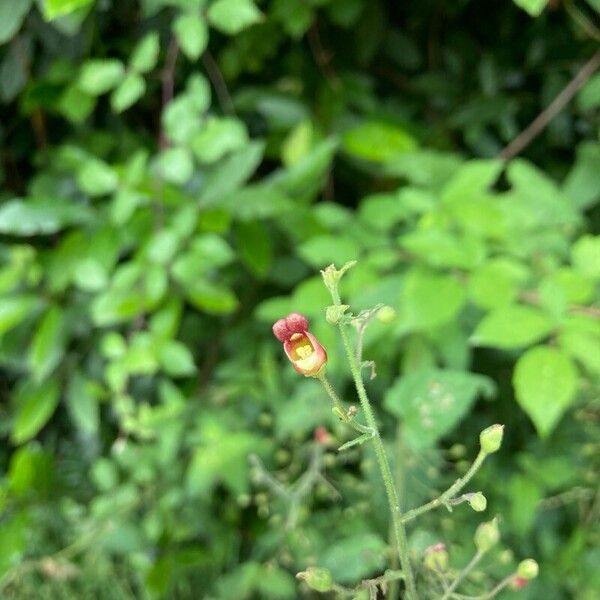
(474,561)
(450,493)
(384,467)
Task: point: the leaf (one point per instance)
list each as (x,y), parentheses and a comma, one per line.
(512,326)
(12,15)
(96,178)
(43,216)
(255,247)
(176,165)
(496,283)
(14,309)
(588,97)
(377,141)
(47,346)
(545,382)
(582,346)
(471,179)
(82,403)
(429,299)
(145,55)
(192,34)
(432,402)
(585,256)
(533,7)
(258,201)
(353,558)
(581,184)
(231,16)
(218,137)
(59,8)
(129,91)
(99,76)
(323,250)
(35,406)
(176,359)
(211,297)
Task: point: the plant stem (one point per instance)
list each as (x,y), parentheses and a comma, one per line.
(384,467)
(478,556)
(450,493)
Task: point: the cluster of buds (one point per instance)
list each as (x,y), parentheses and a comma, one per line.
(302,348)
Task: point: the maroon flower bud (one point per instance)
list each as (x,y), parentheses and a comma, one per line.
(296,323)
(281,331)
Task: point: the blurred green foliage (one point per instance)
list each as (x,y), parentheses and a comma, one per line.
(174,173)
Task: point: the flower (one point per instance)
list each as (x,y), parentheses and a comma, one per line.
(302,348)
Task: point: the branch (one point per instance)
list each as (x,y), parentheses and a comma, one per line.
(218,81)
(545,117)
(168,85)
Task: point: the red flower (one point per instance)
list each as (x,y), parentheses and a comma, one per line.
(307,356)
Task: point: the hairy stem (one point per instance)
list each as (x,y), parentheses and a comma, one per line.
(384,466)
(461,577)
(450,493)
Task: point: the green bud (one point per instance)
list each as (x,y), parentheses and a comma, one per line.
(317,578)
(478,502)
(491,438)
(528,569)
(487,535)
(334,313)
(331,275)
(436,558)
(386,314)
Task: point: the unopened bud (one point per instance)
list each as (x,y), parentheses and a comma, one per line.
(436,558)
(491,438)
(317,578)
(386,314)
(335,312)
(518,583)
(487,535)
(478,502)
(331,275)
(528,569)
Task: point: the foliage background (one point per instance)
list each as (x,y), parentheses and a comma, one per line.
(174,173)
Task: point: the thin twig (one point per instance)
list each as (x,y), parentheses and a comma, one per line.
(322,58)
(463,574)
(218,81)
(168,85)
(545,117)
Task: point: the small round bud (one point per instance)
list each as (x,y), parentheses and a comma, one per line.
(528,569)
(478,502)
(334,313)
(317,578)
(296,323)
(518,583)
(436,558)
(487,535)
(386,314)
(281,331)
(491,438)
(321,436)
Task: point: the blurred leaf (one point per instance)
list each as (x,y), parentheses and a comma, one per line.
(14,309)
(533,7)
(176,165)
(585,255)
(255,247)
(82,403)
(129,91)
(96,178)
(581,184)
(48,344)
(583,347)
(214,298)
(323,250)
(145,54)
(512,326)
(99,76)
(192,34)
(11,17)
(588,97)
(496,283)
(176,359)
(432,402)
(59,8)
(217,138)
(35,406)
(231,16)
(377,141)
(545,382)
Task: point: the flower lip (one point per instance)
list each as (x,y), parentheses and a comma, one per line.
(305,353)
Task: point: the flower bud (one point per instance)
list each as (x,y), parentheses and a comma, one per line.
(478,502)
(321,436)
(487,535)
(331,275)
(335,312)
(491,438)
(317,578)
(518,583)
(386,314)
(436,557)
(528,569)
(296,323)
(281,331)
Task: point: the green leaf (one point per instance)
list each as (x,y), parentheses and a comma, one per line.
(129,91)
(99,76)
(585,256)
(47,346)
(471,179)
(231,16)
(211,297)
(75,104)
(41,216)
(496,283)
(96,178)
(533,7)
(255,247)
(545,381)
(176,359)
(432,402)
(588,97)
(582,346)
(512,326)
(352,558)
(377,141)
(430,300)
(14,309)
(145,54)
(581,184)
(35,406)
(218,137)
(323,250)
(59,8)
(12,15)
(192,34)
(176,165)
(82,403)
